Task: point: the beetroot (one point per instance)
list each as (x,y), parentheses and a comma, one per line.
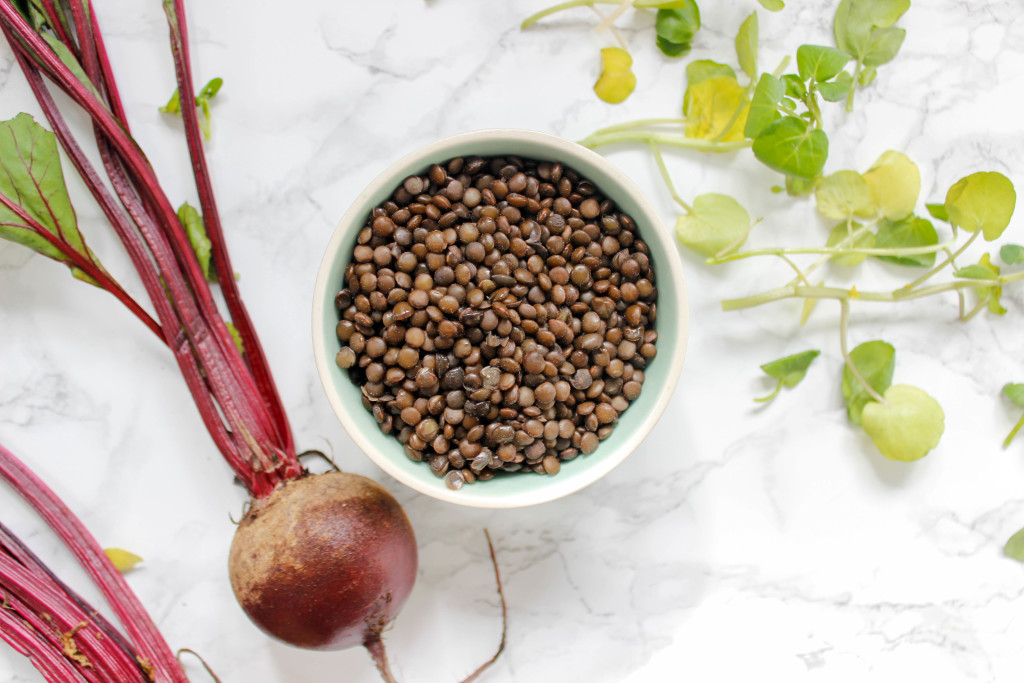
(325,562)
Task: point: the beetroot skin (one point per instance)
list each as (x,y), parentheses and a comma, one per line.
(325,562)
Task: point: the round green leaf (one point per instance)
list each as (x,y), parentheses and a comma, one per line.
(844,194)
(820,62)
(895,184)
(905,427)
(982,201)
(876,361)
(790,146)
(717,221)
(841,232)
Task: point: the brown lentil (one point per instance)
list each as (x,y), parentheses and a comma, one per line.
(498,315)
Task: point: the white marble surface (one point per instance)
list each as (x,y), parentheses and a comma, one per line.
(738,543)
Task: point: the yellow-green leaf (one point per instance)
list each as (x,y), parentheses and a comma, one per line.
(895,184)
(122,559)
(617,80)
(718,221)
(844,194)
(717,110)
(982,201)
(907,426)
(842,232)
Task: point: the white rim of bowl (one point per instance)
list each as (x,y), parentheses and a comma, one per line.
(431,152)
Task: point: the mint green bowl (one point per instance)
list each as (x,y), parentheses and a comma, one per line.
(662,373)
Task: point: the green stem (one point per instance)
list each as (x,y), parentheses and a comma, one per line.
(853,86)
(870,251)
(765,399)
(1013,432)
(667,178)
(562,6)
(949,259)
(672,140)
(638,123)
(844,326)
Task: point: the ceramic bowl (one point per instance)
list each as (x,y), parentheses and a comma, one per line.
(662,373)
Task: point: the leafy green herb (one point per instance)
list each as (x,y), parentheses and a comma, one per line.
(675,28)
(844,194)
(875,361)
(1015,393)
(192,221)
(714,223)
(617,80)
(792,146)
(203,98)
(849,237)
(772,5)
(764,105)
(746,46)
(864,30)
(895,184)
(907,234)
(820,62)
(906,425)
(982,201)
(1011,254)
(789,371)
(1014,548)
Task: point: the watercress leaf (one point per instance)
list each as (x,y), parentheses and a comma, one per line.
(854,21)
(976,271)
(844,194)
(819,62)
(895,184)
(790,370)
(884,44)
(938,211)
(702,70)
(192,221)
(992,295)
(867,76)
(772,5)
(1015,392)
(1014,548)
(838,88)
(907,425)
(617,80)
(31,178)
(122,559)
(794,86)
(717,109)
(211,88)
(717,221)
(1011,254)
(982,201)
(798,187)
(764,105)
(791,147)
(746,45)
(841,232)
(908,233)
(173,105)
(876,361)
(674,28)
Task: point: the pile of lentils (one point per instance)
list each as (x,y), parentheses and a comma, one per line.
(498,314)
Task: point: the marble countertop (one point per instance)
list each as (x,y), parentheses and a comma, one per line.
(740,541)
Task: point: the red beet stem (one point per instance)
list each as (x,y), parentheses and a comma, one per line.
(234,393)
(139,628)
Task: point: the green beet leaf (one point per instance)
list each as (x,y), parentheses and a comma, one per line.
(718,221)
(838,88)
(192,221)
(820,62)
(841,233)
(844,194)
(856,20)
(876,361)
(764,105)
(1014,548)
(1011,254)
(982,201)
(791,147)
(907,425)
(908,233)
(32,179)
(789,371)
(746,45)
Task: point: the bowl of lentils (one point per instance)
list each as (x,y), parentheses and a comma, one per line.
(500,318)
